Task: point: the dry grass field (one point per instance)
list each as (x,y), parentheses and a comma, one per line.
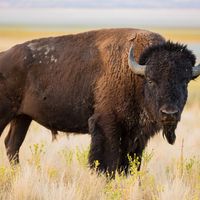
(59,170)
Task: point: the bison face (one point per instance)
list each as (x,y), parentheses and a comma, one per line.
(165,91)
(167,72)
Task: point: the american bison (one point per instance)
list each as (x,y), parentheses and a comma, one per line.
(61,82)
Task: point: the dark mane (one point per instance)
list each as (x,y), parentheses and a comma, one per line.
(167,46)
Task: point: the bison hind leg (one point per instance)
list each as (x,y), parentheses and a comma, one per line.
(3,124)
(15,137)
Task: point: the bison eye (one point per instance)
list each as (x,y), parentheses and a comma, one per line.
(150,81)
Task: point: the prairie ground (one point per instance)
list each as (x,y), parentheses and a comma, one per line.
(58,170)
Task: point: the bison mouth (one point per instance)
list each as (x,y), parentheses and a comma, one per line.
(169,132)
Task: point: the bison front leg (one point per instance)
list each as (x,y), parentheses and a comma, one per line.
(131,155)
(15,137)
(136,157)
(104,150)
(123,166)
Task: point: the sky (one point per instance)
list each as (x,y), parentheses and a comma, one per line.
(101,17)
(94,14)
(100,4)
(101,13)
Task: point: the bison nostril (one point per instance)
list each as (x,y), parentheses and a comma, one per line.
(169,114)
(169,111)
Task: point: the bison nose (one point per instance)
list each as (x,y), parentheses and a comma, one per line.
(169,114)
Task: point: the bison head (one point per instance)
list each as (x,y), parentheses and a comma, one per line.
(167,69)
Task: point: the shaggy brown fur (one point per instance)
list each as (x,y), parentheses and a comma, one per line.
(62,82)
(120,130)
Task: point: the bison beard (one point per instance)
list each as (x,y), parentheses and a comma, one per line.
(169,133)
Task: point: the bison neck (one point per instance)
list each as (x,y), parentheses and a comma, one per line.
(140,128)
(138,124)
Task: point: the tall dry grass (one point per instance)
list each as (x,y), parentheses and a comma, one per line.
(59,170)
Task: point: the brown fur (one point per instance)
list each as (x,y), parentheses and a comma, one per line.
(61,82)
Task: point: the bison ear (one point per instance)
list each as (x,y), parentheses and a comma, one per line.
(195,71)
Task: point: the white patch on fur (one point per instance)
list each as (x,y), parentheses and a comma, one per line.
(53,59)
(32,46)
(47,51)
(42,50)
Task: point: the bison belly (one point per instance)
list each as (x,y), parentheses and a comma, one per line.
(60,108)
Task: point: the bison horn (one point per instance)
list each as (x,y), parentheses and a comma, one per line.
(135,67)
(196,71)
